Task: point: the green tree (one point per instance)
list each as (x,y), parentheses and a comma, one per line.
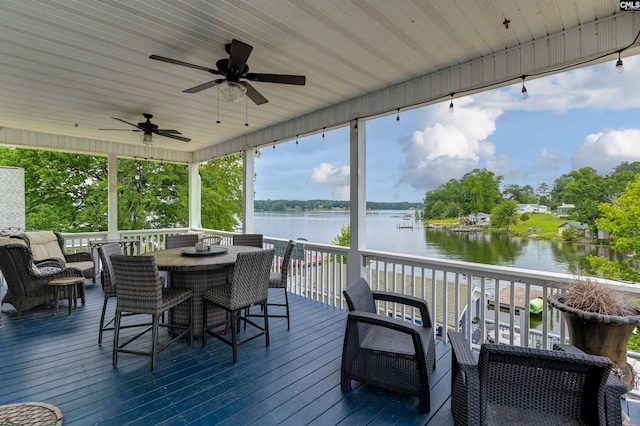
(343,239)
(504,214)
(622,219)
(522,194)
(481,190)
(68,192)
(525,217)
(569,234)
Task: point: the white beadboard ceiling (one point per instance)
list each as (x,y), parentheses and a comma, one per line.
(67,66)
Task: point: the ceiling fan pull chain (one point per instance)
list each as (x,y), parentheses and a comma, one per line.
(246,112)
(218,120)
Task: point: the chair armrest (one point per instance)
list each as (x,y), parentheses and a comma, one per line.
(465,381)
(52,262)
(416,302)
(461,352)
(81,256)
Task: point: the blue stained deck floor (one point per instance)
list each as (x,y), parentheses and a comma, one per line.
(296,381)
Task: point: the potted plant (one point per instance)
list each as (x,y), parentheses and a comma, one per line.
(600,320)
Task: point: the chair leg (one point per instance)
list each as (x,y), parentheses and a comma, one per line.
(104,311)
(235,315)
(204,323)
(266,323)
(116,334)
(154,343)
(191,321)
(286,302)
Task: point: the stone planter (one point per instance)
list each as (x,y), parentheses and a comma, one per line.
(597,334)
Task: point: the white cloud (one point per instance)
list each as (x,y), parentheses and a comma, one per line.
(550,160)
(338,178)
(605,150)
(450,144)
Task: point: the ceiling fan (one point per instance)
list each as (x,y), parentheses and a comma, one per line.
(234,69)
(150,129)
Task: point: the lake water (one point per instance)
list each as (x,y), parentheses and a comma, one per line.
(384,233)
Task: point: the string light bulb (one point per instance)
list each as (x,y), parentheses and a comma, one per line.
(355,127)
(398,117)
(274,145)
(619,66)
(323,132)
(451,104)
(525,94)
(297,143)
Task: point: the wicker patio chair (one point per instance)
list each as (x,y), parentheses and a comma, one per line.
(49,245)
(140,290)
(527,386)
(26,282)
(249,286)
(253,240)
(387,352)
(184,240)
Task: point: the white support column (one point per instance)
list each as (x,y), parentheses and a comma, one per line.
(248,191)
(195,197)
(112,197)
(358,199)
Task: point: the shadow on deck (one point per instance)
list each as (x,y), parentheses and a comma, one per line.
(57,360)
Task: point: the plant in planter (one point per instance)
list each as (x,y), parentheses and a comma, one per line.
(600,320)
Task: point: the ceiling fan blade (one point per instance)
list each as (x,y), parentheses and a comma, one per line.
(180,138)
(124,130)
(299,80)
(184,64)
(204,86)
(254,95)
(238,54)
(126,122)
(168,131)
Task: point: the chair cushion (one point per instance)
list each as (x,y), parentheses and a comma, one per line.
(44,245)
(82,266)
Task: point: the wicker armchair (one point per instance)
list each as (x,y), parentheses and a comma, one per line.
(27,284)
(386,352)
(48,246)
(108,281)
(534,386)
(140,290)
(253,240)
(249,286)
(184,240)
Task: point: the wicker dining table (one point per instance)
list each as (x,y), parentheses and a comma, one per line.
(198,272)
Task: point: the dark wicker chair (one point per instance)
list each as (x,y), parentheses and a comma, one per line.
(387,352)
(278,280)
(249,286)
(253,240)
(184,240)
(27,284)
(80,260)
(140,290)
(534,386)
(107,279)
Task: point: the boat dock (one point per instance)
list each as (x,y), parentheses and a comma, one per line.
(519,297)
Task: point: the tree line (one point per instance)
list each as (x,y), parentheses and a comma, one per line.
(479,191)
(284,205)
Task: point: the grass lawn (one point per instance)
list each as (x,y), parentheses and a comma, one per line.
(546,222)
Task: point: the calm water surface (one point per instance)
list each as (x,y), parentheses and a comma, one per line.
(383,233)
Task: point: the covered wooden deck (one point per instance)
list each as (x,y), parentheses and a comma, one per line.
(57,360)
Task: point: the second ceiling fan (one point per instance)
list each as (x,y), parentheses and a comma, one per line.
(236,76)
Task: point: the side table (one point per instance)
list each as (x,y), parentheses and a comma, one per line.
(72,290)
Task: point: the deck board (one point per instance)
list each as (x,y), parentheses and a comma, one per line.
(57,359)
(296,381)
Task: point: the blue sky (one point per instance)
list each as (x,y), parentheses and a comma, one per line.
(582,118)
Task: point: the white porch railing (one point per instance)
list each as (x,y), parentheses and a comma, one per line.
(470,297)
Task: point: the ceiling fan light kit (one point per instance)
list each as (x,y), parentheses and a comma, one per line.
(147,139)
(232,92)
